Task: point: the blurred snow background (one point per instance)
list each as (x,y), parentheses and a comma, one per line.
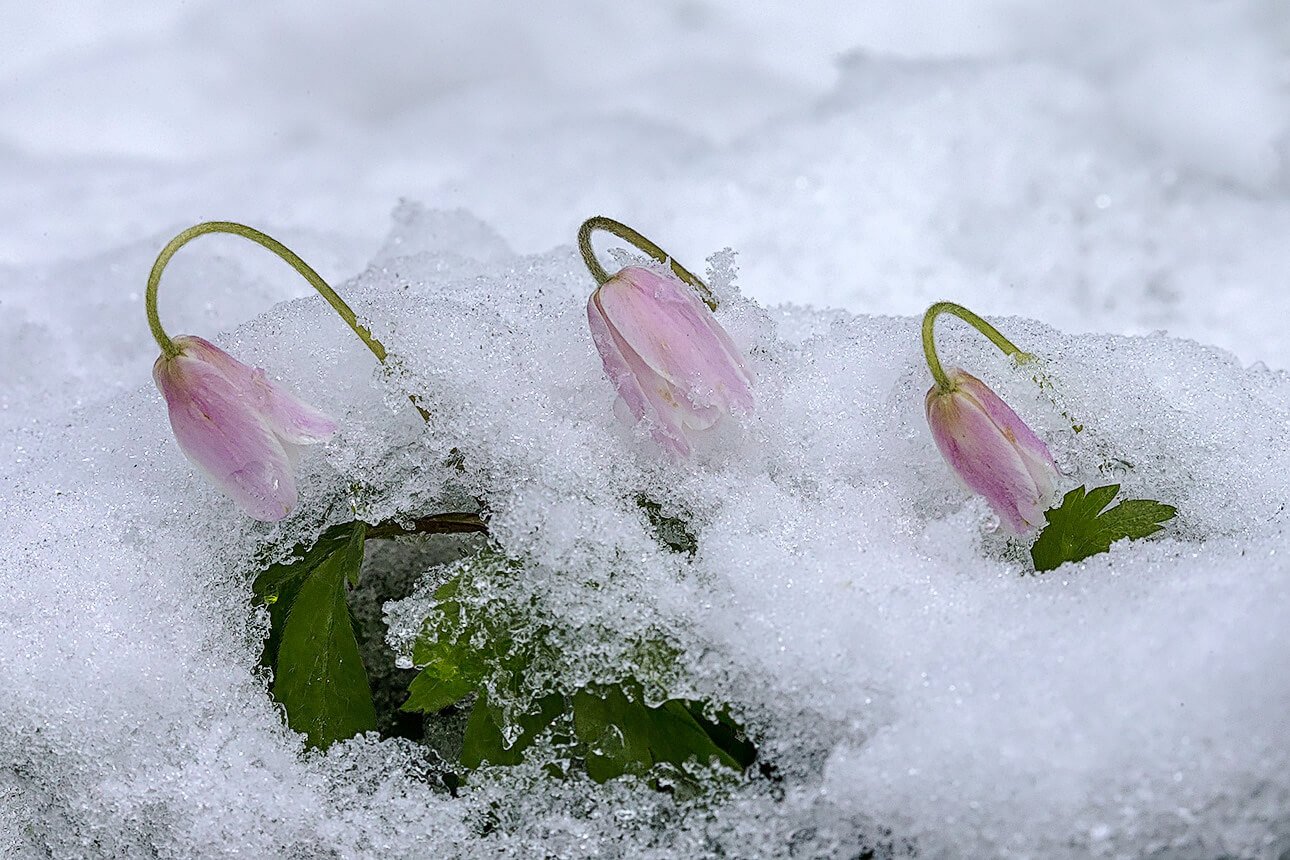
(1099,167)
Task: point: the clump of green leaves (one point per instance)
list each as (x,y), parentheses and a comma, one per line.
(484,645)
(1081,525)
(470,641)
(318,675)
(476,644)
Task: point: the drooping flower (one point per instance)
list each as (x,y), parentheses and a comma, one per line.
(672,363)
(237,426)
(992,450)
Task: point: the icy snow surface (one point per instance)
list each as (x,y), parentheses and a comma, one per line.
(1111,183)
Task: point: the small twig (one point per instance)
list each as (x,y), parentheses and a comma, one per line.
(435,524)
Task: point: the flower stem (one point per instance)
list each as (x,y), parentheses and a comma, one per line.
(992,334)
(168,347)
(627,234)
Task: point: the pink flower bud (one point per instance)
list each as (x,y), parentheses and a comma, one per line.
(237,426)
(992,450)
(672,363)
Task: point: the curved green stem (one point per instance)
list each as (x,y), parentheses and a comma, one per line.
(929,338)
(627,234)
(168,347)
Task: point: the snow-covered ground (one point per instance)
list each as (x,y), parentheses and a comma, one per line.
(1109,181)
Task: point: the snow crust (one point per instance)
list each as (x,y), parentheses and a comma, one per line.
(1086,179)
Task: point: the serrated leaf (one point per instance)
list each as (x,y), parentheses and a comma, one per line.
(1136,518)
(1094,501)
(449,673)
(429,695)
(318,673)
(1081,527)
(451,667)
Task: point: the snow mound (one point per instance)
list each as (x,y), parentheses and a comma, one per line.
(911,690)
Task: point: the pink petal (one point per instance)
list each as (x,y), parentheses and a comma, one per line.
(1043,471)
(984,457)
(295,421)
(674,333)
(220,432)
(1003,417)
(1034,453)
(641,389)
(292,419)
(237,373)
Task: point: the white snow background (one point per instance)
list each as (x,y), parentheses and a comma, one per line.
(1110,182)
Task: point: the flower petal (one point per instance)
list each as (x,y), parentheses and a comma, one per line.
(985,459)
(295,421)
(291,418)
(666,324)
(237,373)
(1034,453)
(1002,414)
(646,394)
(220,432)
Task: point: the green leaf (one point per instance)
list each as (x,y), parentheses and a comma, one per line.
(621,734)
(672,532)
(615,734)
(452,664)
(726,734)
(1136,518)
(276,588)
(1080,527)
(450,671)
(318,673)
(276,576)
(484,742)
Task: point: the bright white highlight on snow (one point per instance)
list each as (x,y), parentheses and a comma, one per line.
(853,605)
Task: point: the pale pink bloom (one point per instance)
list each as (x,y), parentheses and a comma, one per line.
(674,366)
(239,428)
(992,450)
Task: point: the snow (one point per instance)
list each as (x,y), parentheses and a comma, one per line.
(1107,184)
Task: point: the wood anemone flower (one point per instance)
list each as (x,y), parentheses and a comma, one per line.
(230,420)
(237,426)
(672,363)
(992,450)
